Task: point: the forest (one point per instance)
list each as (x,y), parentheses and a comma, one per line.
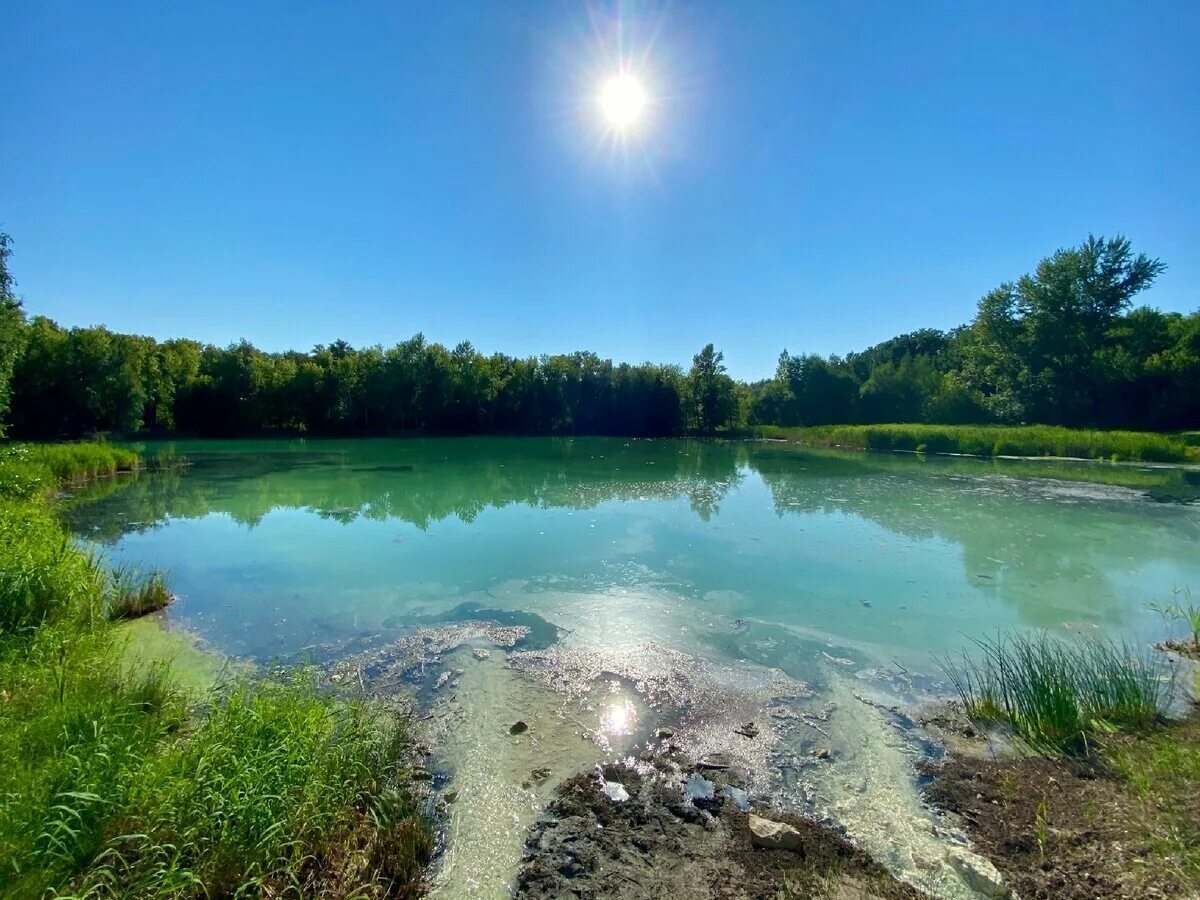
(1063,345)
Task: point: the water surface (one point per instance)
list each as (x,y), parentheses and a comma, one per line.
(702,580)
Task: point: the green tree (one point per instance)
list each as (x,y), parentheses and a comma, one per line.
(711,395)
(1034,344)
(12,329)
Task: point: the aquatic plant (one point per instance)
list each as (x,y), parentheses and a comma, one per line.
(1054,693)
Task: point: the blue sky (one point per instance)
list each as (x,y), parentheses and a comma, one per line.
(813,175)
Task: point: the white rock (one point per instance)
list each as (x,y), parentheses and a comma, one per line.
(979,874)
(774,835)
(615,791)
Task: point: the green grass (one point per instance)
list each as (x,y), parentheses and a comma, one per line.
(1055,695)
(134,594)
(1163,770)
(114,785)
(995,440)
(27,470)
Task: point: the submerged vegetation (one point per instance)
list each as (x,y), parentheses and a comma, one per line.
(994,440)
(114,786)
(1061,346)
(1056,695)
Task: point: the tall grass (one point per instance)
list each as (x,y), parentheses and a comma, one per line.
(27,470)
(1054,694)
(112,787)
(278,791)
(44,577)
(134,594)
(995,440)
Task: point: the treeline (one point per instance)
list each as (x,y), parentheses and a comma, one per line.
(1059,346)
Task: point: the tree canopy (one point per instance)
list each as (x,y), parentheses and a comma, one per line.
(1061,345)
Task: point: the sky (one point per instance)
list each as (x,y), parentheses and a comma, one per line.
(818,176)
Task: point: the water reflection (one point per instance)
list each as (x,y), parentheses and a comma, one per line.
(858,538)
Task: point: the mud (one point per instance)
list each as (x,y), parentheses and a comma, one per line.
(663,841)
(1057,828)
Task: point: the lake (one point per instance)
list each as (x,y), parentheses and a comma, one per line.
(601,589)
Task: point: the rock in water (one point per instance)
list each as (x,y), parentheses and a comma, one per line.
(518,728)
(749,730)
(979,874)
(774,835)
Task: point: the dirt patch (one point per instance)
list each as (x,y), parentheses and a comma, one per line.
(630,831)
(1082,828)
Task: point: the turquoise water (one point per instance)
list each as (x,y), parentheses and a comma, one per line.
(277,546)
(600,589)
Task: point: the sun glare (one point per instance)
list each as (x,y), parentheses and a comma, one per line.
(622,101)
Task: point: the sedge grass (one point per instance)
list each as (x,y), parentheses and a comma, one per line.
(1055,694)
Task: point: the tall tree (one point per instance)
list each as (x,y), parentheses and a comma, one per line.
(1034,344)
(12,329)
(711,391)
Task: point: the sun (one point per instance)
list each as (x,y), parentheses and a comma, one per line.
(622,100)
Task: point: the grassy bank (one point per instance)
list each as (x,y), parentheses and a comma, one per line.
(117,784)
(1105,804)
(994,440)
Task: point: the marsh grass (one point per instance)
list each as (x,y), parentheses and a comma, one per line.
(134,594)
(112,786)
(1054,694)
(995,440)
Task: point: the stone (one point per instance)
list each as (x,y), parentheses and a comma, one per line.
(979,874)
(821,753)
(451,796)
(665,734)
(481,653)
(615,791)
(749,730)
(771,835)
(518,728)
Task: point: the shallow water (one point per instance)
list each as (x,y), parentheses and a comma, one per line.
(691,584)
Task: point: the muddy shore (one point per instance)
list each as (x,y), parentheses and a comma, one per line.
(669,828)
(1079,829)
